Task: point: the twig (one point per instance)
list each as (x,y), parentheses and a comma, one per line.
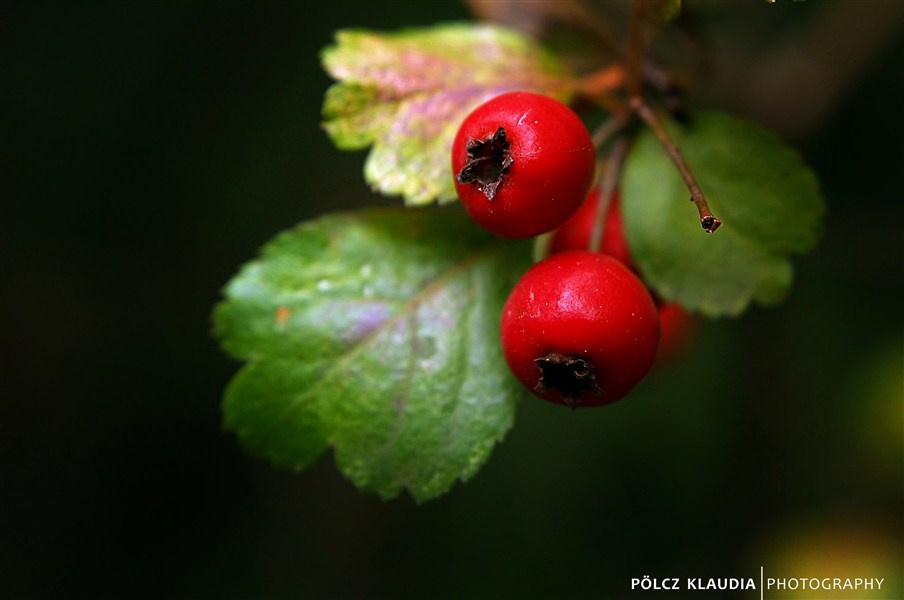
(636,49)
(611,175)
(707,220)
(598,88)
(609,128)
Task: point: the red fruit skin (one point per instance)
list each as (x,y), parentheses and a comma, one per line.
(585,305)
(677,327)
(575,233)
(553,164)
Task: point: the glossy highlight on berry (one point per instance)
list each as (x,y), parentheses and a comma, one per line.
(522,163)
(579,329)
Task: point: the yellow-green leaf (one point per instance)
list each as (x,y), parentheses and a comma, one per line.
(406,93)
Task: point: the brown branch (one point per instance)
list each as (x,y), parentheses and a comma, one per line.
(637,48)
(539,18)
(608,128)
(612,173)
(603,81)
(707,220)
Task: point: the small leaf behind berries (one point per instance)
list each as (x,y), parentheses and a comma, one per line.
(406,93)
(376,333)
(768,200)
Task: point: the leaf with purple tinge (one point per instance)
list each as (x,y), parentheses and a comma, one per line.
(375,333)
(406,93)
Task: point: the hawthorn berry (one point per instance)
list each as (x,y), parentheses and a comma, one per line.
(522,163)
(575,233)
(676,323)
(579,329)
(677,327)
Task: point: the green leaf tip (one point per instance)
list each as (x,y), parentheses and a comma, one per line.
(405,94)
(374,333)
(768,200)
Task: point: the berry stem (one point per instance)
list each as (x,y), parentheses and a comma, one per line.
(707,220)
(636,48)
(611,175)
(602,134)
(599,88)
(609,79)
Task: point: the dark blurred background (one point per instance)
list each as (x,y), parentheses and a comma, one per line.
(149,148)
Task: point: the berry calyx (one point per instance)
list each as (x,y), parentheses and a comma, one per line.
(579,329)
(522,163)
(487,161)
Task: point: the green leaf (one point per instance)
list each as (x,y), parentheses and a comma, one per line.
(768,200)
(406,94)
(376,333)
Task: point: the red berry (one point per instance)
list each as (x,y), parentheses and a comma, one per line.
(677,328)
(522,164)
(579,329)
(676,324)
(575,233)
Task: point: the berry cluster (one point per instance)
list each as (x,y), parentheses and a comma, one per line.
(579,328)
